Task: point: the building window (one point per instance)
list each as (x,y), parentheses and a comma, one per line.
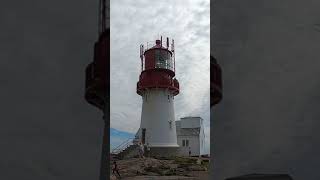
(170,123)
(185,143)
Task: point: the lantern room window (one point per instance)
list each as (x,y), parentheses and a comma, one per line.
(163,59)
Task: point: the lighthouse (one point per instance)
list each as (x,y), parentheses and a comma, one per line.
(158,86)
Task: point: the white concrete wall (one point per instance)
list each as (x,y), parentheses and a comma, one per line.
(194,144)
(202,139)
(157,113)
(191,122)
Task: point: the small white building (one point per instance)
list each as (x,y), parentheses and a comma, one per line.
(190,136)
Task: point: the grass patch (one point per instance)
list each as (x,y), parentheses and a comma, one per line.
(205,164)
(165,158)
(182,160)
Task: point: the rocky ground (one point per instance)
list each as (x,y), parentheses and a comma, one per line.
(174,168)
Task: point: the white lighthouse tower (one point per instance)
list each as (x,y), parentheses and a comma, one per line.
(157,86)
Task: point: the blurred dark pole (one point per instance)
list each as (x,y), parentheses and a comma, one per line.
(215,82)
(97,85)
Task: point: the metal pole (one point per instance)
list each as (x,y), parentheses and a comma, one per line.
(105,154)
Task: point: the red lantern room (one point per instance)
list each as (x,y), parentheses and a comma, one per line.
(158,68)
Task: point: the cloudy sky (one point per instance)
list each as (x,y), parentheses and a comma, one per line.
(136,22)
(268,121)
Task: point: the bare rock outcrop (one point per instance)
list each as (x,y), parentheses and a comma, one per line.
(166,168)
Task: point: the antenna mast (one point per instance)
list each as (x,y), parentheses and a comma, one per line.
(141,56)
(174,55)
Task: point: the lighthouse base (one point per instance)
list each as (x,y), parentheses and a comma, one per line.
(163,151)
